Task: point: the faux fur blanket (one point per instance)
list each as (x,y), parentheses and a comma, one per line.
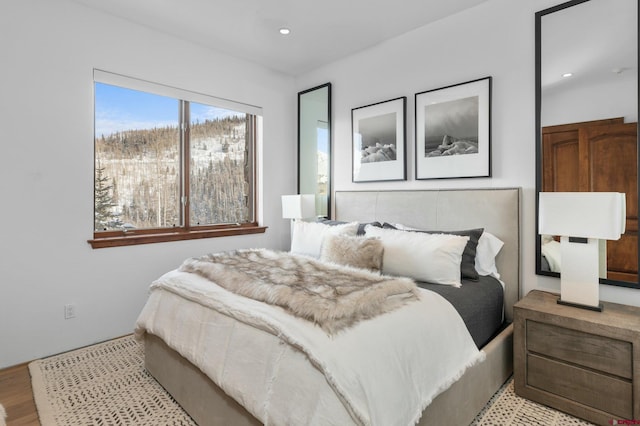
(331,296)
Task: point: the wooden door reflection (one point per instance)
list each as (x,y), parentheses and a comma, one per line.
(598,156)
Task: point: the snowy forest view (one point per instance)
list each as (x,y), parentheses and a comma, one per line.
(137,176)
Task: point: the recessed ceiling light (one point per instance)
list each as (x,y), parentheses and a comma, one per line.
(285,31)
(567,74)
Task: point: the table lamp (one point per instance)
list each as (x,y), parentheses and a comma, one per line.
(298,206)
(583,220)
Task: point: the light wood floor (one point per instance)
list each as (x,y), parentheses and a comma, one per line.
(17,397)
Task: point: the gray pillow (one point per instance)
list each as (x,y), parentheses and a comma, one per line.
(361,226)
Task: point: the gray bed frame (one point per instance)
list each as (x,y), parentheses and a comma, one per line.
(495,209)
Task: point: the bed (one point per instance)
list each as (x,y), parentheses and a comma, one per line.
(495,210)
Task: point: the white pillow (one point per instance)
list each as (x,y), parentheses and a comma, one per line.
(551,251)
(307,236)
(434,258)
(488,248)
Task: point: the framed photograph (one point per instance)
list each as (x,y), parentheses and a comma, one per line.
(379,141)
(453,131)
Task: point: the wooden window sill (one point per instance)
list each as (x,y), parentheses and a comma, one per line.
(135,239)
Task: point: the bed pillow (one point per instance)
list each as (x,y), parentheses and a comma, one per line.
(434,258)
(468,264)
(550,251)
(488,248)
(307,237)
(357,252)
(361,226)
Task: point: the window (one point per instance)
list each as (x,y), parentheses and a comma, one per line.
(170,164)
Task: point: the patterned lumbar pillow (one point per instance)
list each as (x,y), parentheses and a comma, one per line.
(357,252)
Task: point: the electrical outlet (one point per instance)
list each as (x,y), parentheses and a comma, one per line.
(69,311)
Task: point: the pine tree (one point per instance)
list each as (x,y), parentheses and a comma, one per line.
(103,200)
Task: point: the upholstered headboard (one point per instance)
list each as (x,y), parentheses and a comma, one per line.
(496,210)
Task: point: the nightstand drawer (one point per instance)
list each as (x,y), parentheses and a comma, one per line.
(609,394)
(589,350)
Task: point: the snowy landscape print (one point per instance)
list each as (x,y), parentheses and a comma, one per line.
(451,128)
(378,138)
(138,163)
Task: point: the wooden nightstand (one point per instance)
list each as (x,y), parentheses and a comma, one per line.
(581,362)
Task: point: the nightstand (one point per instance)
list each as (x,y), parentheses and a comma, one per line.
(582,362)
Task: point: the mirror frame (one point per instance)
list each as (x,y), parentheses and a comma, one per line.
(329,143)
(538,124)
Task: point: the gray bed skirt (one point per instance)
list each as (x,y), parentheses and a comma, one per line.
(208,405)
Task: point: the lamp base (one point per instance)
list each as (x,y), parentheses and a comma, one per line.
(581,306)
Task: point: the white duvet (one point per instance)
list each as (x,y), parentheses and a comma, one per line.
(286,371)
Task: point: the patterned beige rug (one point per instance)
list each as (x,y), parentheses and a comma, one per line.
(507,409)
(106,384)
(103,384)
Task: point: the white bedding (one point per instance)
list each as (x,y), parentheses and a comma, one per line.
(383,371)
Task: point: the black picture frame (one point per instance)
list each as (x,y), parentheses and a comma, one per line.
(453,131)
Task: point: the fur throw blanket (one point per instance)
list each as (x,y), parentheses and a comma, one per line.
(333,297)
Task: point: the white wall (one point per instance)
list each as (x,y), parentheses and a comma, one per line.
(48,49)
(612,97)
(494,39)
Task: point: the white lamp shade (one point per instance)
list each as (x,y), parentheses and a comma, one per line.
(298,206)
(599,215)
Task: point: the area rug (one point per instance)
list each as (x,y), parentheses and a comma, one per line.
(506,409)
(103,384)
(106,384)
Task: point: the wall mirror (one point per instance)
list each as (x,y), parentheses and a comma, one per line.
(314,146)
(586,118)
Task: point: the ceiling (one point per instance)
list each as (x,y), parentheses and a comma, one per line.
(321,31)
(593,54)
